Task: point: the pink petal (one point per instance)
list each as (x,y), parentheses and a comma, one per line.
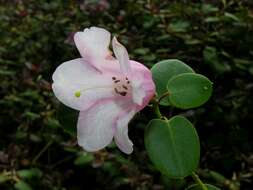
(96,126)
(93,44)
(76,76)
(121,134)
(143,87)
(122,56)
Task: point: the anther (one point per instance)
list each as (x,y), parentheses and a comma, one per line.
(116,90)
(116,81)
(124,87)
(113,78)
(123,93)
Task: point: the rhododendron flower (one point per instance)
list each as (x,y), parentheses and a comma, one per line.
(107,91)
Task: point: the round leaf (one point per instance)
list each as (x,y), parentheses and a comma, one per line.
(162,73)
(189,90)
(173,146)
(196,187)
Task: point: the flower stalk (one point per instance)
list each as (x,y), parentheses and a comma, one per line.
(163,96)
(198,181)
(157,109)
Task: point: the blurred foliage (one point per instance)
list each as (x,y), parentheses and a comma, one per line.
(213,37)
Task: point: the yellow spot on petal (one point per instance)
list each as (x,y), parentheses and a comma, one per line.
(77,94)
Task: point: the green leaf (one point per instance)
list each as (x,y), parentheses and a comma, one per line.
(141,51)
(7,73)
(179,25)
(231,16)
(189,90)
(217,177)
(212,19)
(4,178)
(173,146)
(162,73)
(211,57)
(68,119)
(174,184)
(21,185)
(196,187)
(30,173)
(32,116)
(83,159)
(209,8)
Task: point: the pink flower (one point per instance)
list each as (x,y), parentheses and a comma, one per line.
(107,91)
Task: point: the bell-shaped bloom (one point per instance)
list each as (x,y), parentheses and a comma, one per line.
(107,91)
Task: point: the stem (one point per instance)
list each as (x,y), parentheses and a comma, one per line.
(198,181)
(163,96)
(157,110)
(42,151)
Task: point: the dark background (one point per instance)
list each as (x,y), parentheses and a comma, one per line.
(38,147)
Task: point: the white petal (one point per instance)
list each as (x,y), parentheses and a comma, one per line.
(93,44)
(96,126)
(76,76)
(138,92)
(121,135)
(74,70)
(122,56)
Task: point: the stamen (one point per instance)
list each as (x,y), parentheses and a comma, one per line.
(121,86)
(124,87)
(123,93)
(116,90)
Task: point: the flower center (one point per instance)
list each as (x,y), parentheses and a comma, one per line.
(121,86)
